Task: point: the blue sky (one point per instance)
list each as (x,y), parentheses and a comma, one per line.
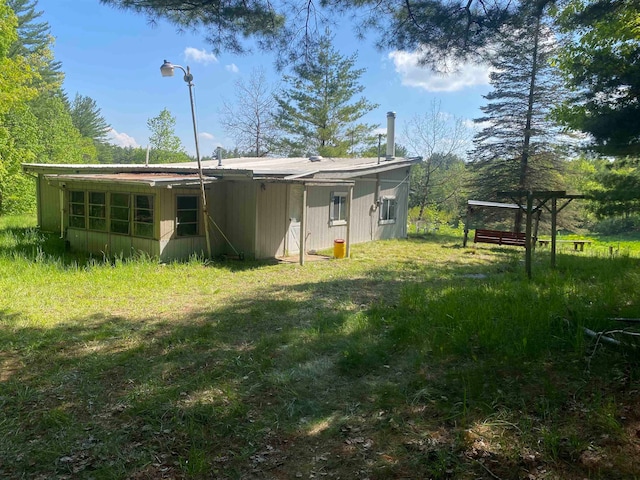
(114,57)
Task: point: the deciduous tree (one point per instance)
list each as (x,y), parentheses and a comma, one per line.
(163,140)
(441,140)
(249,120)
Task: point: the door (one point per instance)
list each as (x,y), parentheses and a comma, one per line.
(295,218)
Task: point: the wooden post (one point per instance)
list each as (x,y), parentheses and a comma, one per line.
(303,226)
(466,227)
(554,214)
(528,255)
(349,209)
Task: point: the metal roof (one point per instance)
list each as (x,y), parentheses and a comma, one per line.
(479,203)
(150,179)
(245,167)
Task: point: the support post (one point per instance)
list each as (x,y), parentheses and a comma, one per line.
(303,226)
(528,255)
(554,215)
(349,209)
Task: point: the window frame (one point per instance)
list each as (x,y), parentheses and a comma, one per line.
(74,205)
(93,207)
(141,215)
(342,208)
(196,222)
(119,219)
(388,210)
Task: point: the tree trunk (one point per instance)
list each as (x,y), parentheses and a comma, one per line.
(524,158)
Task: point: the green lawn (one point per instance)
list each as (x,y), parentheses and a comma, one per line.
(412,359)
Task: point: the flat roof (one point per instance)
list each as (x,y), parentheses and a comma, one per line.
(246,167)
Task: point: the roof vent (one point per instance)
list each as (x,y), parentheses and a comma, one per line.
(315,158)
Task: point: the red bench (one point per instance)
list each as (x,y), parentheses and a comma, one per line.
(500,238)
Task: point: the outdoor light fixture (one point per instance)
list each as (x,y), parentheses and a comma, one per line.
(167,69)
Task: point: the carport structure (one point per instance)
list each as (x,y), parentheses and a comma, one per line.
(531,203)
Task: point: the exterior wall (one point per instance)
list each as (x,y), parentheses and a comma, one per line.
(318,232)
(395,183)
(106,243)
(254,216)
(271,220)
(365,214)
(48,205)
(172,247)
(236,201)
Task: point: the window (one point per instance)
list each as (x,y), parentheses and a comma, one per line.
(98,211)
(338,212)
(187,215)
(388,207)
(143,216)
(120,213)
(77,212)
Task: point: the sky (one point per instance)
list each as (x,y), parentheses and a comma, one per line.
(114,57)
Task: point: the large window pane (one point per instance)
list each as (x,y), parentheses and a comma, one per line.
(187,215)
(119,213)
(77,210)
(98,211)
(143,216)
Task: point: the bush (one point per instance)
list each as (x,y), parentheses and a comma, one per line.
(615,226)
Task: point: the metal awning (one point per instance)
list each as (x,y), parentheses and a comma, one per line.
(148,179)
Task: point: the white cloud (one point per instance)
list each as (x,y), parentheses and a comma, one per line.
(206,135)
(415,75)
(233,68)
(199,56)
(121,139)
(477,126)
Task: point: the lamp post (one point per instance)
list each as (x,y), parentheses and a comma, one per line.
(167,70)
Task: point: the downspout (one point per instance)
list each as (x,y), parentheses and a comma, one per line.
(62,187)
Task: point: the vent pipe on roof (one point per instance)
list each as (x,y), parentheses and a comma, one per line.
(391,135)
(219,155)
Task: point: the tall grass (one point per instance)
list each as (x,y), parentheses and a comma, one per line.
(413,359)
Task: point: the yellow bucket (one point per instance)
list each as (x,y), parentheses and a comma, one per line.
(339,248)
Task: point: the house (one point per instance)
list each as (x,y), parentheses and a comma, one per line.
(255,207)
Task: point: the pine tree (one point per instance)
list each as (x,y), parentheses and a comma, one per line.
(601,61)
(518,150)
(317,112)
(34,43)
(88,119)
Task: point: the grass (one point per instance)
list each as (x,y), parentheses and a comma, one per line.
(413,359)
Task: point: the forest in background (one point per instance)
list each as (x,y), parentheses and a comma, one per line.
(562,114)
